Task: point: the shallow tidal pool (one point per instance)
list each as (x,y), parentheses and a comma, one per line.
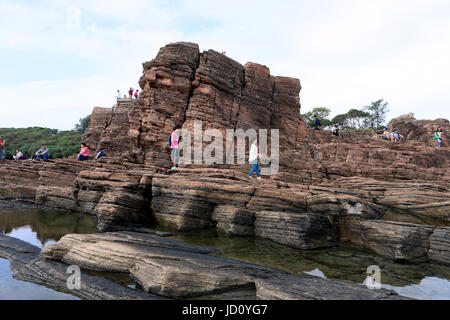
(343,262)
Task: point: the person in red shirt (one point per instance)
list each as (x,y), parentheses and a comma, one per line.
(136,95)
(84,153)
(130,92)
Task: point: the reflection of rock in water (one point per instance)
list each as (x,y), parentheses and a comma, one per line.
(48,225)
(342,262)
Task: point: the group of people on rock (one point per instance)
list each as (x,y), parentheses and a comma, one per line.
(43,154)
(132,94)
(392,136)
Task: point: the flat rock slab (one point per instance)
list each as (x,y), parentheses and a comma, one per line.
(314,288)
(173,269)
(27,265)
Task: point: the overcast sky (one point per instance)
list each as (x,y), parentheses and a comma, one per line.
(347,53)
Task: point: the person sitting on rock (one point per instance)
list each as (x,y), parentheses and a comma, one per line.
(19,156)
(174,141)
(253,159)
(386,135)
(316,122)
(42,153)
(101,154)
(336,131)
(84,153)
(438,137)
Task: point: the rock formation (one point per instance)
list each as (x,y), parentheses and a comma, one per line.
(392,198)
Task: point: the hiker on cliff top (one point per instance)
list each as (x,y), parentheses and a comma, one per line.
(438,137)
(316,122)
(136,95)
(118,96)
(253,159)
(130,92)
(173,142)
(42,153)
(84,153)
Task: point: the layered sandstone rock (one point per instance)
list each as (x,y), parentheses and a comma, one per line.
(172,269)
(357,188)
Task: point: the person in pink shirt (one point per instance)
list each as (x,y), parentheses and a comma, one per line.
(84,153)
(174,140)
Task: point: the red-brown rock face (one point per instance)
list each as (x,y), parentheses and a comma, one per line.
(390,197)
(182,85)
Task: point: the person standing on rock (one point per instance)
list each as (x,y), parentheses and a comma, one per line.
(316,122)
(136,95)
(2,151)
(84,153)
(130,92)
(119,96)
(253,159)
(174,140)
(42,153)
(438,137)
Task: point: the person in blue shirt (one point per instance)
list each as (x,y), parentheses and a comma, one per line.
(42,153)
(317,123)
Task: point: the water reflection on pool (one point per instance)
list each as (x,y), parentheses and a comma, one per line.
(343,262)
(39,228)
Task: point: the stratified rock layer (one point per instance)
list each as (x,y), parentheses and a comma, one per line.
(390,197)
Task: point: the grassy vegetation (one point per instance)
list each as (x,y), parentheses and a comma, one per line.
(29,140)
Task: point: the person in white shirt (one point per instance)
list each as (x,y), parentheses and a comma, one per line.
(254,155)
(19,155)
(119,96)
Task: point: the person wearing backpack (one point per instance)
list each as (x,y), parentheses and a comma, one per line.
(173,143)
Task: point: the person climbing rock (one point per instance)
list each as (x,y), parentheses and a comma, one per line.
(253,159)
(84,153)
(316,122)
(173,142)
(42,153)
